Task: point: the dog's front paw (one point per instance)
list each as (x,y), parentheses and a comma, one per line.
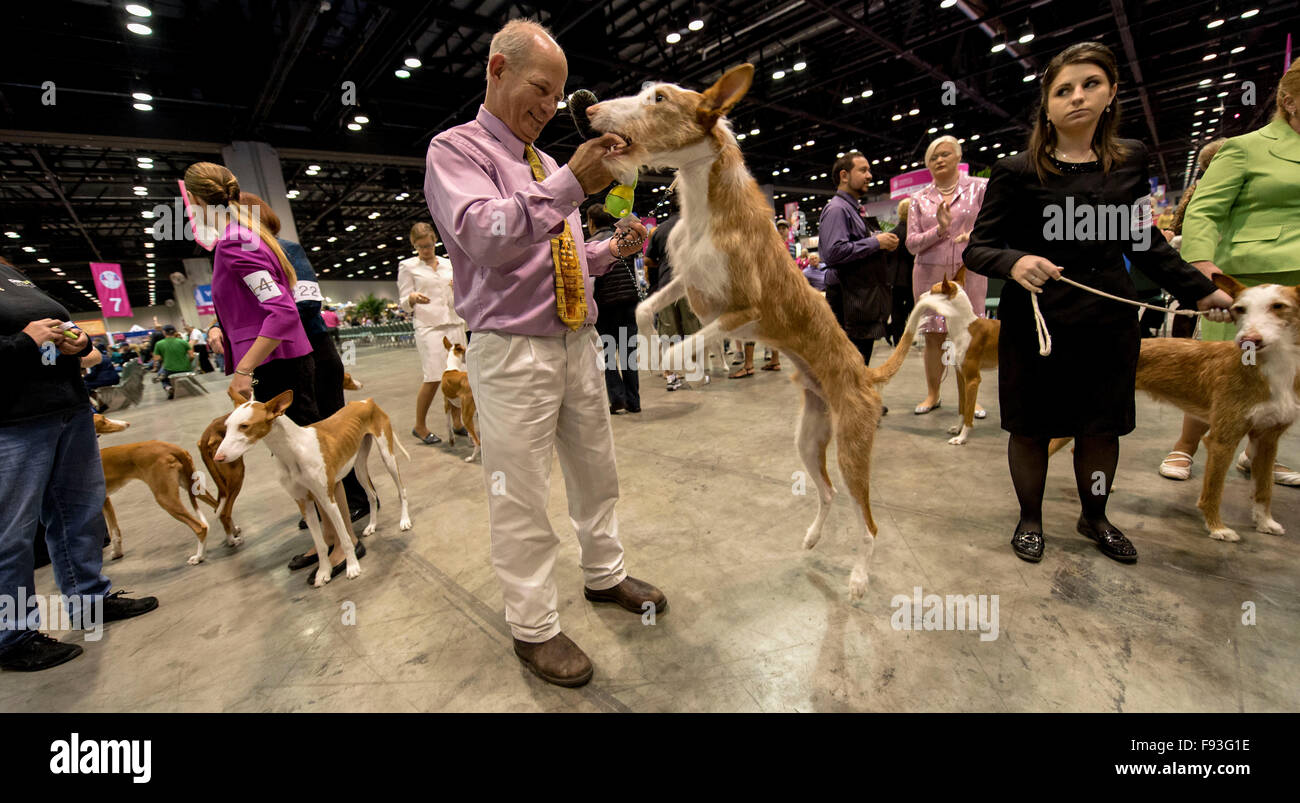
(370,528)
(322,575)
(1224,534)
(1270,526)
(960,440)
(234,541)
(354,568)
(405,524)
(858,583)
(811,538)
(195,560)
(954,429)
(117,554)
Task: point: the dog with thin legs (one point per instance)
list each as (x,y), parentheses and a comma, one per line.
(1247,387)
(314,459)
(739,278)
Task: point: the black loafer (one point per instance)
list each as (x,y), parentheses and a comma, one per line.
(461,431)
(1112,543)
(1028,545)
(303,561)
(37,653)
(342,567)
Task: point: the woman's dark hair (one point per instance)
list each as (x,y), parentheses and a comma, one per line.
(1105,140)
(600,217)
(1203,160)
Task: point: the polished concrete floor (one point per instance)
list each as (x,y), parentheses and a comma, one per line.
(755,623)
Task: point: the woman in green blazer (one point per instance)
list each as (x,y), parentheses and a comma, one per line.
(1244,220)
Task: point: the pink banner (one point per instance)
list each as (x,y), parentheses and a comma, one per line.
(905,184)
(111,288)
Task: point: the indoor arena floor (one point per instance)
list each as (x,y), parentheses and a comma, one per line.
(709,513)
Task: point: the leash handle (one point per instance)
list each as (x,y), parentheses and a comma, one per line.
(1045,337)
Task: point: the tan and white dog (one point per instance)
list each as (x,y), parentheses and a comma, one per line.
(169,472)
(229,476)
(730,263)
(1243,387)
(971,347)
(314,459)
(457,396)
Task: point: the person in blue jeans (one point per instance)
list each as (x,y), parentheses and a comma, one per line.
(49,473)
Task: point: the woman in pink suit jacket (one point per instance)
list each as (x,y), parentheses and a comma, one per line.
(267,351)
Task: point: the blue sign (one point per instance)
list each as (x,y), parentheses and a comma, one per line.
(203,299)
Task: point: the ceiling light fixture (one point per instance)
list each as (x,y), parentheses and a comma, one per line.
(137,10)
(144,107)
(402,73)
(412,62)
(673,38)
(142,96)
(1026,34)
(138,28)
(695,24)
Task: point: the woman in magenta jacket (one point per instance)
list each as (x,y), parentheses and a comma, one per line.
(252,289)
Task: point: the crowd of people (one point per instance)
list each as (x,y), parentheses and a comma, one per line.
(527,287)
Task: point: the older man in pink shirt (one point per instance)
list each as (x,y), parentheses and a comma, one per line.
(522,271)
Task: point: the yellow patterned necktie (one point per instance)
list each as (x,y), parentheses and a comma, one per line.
(570,292)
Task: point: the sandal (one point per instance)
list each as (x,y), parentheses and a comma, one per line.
(1282,475)
(922,409)
(772,367)
(1173,472)
(981,414)
(743,373)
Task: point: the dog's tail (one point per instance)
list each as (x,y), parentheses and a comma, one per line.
(192,479)
(887,370)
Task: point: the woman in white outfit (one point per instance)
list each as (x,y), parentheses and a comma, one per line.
(424,286)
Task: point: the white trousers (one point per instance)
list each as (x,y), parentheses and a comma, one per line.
(533,395)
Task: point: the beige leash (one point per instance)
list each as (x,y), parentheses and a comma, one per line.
(1045,337)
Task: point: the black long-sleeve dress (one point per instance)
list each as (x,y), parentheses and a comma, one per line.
(1085,386)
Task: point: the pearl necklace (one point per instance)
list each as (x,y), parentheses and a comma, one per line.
(950,189)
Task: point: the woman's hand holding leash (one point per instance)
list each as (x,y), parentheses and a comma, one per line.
(1033,272)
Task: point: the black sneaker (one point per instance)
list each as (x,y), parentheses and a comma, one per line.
(117,606)
(37,653)
(461,431)
(633,408)
(171,394)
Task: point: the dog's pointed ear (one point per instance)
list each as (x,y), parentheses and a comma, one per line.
(947,288)
(960,278)
(446,343)
(235,397)
(723,95)
(1228,284)
(279,404)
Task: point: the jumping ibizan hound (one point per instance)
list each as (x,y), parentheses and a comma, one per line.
(314,459)
(731,264)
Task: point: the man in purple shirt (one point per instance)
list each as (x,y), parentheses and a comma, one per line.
(852,244)
(502,208)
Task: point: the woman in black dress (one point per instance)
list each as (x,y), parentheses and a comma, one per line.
(1075,204)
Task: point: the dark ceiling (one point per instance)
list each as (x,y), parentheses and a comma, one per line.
(275,71)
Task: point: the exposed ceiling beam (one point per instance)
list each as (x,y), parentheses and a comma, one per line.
(916,61)
(54,185)
(300,28)
(1130,52)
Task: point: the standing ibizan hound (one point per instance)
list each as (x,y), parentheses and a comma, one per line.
(314,459)
(730,263)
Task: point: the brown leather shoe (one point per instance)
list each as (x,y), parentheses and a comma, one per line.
(631,594)
(557,660)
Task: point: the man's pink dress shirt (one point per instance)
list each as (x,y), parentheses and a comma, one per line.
(497,223)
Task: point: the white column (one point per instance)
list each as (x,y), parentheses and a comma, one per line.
(257,166)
